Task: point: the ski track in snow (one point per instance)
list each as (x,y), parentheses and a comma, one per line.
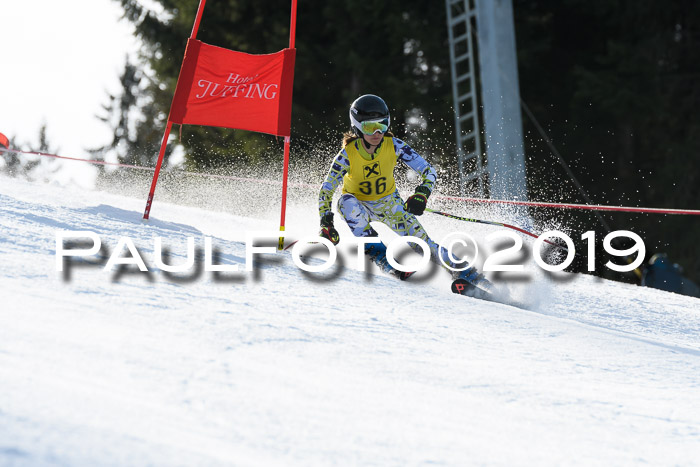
(280,367)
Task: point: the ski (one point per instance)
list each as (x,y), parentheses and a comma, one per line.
(485,291)
(405,275)
(463,287)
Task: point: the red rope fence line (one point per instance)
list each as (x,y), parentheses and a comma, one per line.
(152,169)
(590,207)
(33,153)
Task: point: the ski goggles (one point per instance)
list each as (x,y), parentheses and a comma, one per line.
(370,127)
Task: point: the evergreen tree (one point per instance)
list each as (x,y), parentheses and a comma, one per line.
(137,124)
(393,48)
(615,84)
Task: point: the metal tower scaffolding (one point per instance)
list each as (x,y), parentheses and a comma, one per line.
(461,15)
(482,34)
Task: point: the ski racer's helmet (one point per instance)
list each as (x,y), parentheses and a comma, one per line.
(369,114)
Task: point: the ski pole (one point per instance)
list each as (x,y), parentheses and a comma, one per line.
(500,224)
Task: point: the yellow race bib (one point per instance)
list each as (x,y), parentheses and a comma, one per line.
(370,179)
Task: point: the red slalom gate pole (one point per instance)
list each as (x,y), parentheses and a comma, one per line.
(151,193)
(287,139)
(168,127)
(198,19)
(285,173)
(293,25)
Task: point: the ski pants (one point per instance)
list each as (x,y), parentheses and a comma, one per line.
(389,211)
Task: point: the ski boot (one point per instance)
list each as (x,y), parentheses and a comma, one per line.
(377,253)
(471,282)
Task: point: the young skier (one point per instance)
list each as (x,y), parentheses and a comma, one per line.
(365,169)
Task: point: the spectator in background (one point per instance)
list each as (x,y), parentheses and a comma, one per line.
(660,273)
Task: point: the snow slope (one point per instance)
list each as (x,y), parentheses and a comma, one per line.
(281,367)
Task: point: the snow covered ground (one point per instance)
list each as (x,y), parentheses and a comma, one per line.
(282,367)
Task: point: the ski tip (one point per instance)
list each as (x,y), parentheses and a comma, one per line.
(461,286)
(466,288)
(405,275)
(496,295)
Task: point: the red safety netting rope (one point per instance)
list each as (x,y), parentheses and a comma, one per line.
(590,207)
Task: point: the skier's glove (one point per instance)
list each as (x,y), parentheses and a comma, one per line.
(415,204)
(327,229)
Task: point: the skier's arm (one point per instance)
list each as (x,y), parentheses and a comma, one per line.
(416,203)
(414,160)
(333,180)
(338,169)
